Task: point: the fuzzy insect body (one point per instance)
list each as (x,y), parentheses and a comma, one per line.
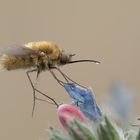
(34,54)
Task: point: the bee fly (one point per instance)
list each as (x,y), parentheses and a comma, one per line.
(37,57)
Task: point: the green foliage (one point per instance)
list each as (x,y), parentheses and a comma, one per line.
(138,136)
(59,134)
(109,131)
(105,129)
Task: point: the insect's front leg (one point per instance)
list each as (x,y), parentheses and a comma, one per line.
(66,77)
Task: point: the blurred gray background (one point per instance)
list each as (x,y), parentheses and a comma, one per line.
(108,31)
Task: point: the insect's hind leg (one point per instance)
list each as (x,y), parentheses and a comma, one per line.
(32,85)
(53,101)
(36,90)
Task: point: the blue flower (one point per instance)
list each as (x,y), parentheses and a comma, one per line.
(84,100)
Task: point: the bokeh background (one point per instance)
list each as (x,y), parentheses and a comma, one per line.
(108,31)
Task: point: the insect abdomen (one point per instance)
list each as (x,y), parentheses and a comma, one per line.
(16,62)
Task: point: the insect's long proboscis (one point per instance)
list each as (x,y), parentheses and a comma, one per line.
(86,60)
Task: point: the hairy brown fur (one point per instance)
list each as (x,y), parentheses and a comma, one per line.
(42,53)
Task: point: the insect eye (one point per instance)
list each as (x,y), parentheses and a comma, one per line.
(64,59)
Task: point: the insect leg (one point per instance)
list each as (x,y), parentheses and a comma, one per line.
(67,77)
(34,96)
(44,100)
(54,102)
(59,81)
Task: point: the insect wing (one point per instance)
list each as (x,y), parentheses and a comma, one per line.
(16,50)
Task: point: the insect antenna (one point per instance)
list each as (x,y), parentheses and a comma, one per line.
(86,60)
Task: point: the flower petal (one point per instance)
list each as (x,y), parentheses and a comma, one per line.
(67,113)
(84,100)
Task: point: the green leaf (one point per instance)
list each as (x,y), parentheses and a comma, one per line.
(85,130)
(107,130)
(74,132)
(114,132)
(59,134)
(104,130)
(138,136)
(103,133)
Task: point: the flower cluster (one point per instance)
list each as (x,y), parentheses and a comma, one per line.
(84,106)
(83,119)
